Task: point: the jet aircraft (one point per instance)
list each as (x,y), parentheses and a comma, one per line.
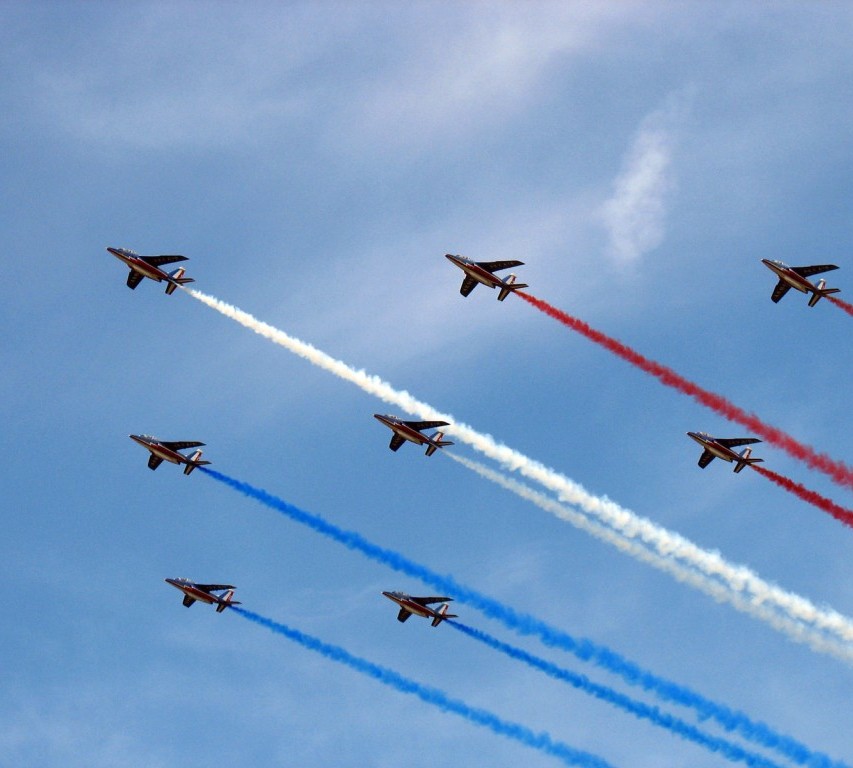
(411,430)
(149,266)
(419,606)
(162,450)
(204,593)
(795,277)
(721,448)
(483,272)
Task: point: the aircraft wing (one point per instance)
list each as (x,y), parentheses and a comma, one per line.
(495,266)
(403,615)
(181,444)
(157,261)
(396,442)
(213,587)
(188,601)
(705,459)
(419,425)
(154,461)
(780,290)
(815,269)
(134,279)
(468,285)
(428,600)
(735,441)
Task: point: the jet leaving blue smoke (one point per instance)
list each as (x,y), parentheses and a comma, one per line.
(541,741)
(620,700)
(586,650)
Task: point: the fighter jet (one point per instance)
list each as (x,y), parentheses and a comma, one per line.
(418,605)
(795,277)
(721,448)
(410,430)
(161,449)
(149,266)
(204,593)
(483,272)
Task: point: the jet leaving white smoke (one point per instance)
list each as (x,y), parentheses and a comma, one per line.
(740,586)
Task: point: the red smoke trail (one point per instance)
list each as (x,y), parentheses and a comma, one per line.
(838,512)
(848,308)
(837,470)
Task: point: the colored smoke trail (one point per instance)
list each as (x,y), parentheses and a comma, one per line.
(639,709)
(739,579)
(837,470)
(848,308)
(840,513)
(795,630)
(524,624)
(541,741)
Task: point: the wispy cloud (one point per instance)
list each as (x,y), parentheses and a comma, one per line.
(635,215)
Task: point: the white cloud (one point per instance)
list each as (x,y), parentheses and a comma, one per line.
(635,215)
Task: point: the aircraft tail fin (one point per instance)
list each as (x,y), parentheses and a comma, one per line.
(227,601)
(436,442)
(177,278)
(193,462)
(442,614)
(821,291)
(745,460)
(509,286)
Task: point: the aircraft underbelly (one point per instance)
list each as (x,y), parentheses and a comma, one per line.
(145,269)
(803,286)
(165,455)
(481,276)
(720,454)
(410,435)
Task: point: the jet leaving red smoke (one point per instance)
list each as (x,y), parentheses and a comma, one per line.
(848,308)
(837,470)
(838,512)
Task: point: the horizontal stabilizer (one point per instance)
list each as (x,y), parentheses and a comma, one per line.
(509,285)
(442,614)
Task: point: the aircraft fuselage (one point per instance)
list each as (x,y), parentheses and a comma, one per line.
(411,606)
(139,265)
(189,589)
(474,270)
(712,446)
(784,272)
(159,450)
(403,430)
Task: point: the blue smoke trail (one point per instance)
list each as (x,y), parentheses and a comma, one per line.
(586,650)
(541,741)
(639,709)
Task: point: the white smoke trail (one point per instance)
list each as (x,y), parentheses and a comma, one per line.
(796,630)
(739,579)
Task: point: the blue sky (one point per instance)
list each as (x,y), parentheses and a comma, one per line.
(315,162)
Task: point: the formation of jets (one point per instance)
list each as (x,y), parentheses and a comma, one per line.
(796,277)
(411,431)
(162,450)
(204,593)
(721,448)
(419,606)
(149,266)
(476,272)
